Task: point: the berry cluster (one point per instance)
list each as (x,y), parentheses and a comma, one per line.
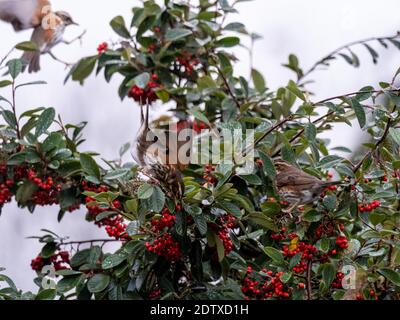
(342,242)
(188,62)
(5,193)
(307,251)
(166,221)
(198,126)
(114,225)
(226,240)
(155,294)
(270,287)
(166,247)
(59,260)
(337,282)
(279,236)
(208,174)
(369,207)
(103,47)
(145,95)
(48,190)
(229,221)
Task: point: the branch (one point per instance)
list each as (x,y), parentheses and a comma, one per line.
(67,64)
(309,288)
(14,109)
(338,50)
(380,141)
(353,94)
(88,242)
(228,87)
(75,39)
(6,56)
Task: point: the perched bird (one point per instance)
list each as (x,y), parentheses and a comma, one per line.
(158,152)
(48,26)
(297,187)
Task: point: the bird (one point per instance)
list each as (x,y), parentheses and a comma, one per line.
(48,26)
(159,154)
(297,187)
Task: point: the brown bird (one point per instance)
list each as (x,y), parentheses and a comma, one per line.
(297,187)
(162,156)
(48,26)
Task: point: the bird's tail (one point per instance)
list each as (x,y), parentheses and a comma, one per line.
(32,60)
(333,183)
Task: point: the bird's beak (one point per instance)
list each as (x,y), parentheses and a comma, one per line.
(74,23)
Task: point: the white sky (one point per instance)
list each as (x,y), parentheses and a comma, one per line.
(310,29)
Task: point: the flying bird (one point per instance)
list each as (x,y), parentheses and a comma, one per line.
(48,26)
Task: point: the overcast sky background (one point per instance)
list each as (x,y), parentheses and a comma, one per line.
(308,28)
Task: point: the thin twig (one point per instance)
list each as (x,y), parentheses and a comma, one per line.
(6,56)
(75,39)
(353,94)
(309,287)
(88,242)
(228,87)
(14,109)
(67,64)
(338,50)
(380,141)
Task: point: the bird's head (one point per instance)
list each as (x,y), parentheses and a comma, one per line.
(281,165)
(66,18)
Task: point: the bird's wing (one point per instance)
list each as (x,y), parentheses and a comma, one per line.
(295,177)
(23,14)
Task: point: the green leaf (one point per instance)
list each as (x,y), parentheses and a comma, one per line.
(116,174)
(328,274)
(274,254)
(310,132)
(14,67)
(391,275)
(395,135)
(262,220)
(45,120)
(80,258)
(228,42)
(47,294)
(312,216)
(119,27)
(27,46)
(268,165)
(142,80)
(52,141)
(84,68)
(252,179)
(176,34)
(113,261)
(89,165)
(359,111)
(145,191)
(5,83)
(48,250)
(293,88)
(258,80)
(98,283)
(157,199)
(68,283)
(9,118)
(199,116)
(201,224)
